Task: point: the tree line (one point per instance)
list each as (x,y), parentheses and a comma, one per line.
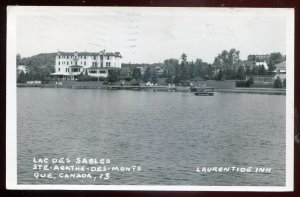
(225,66)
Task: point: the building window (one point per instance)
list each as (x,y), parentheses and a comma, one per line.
(84,57)
(67,63)
(107,57)
(102,71)
(101,64)
(58,62)
(59,57)
(84,62)
(76,63)
(107,64)
(58,69)
(101,57)
(93,71)
(94,57)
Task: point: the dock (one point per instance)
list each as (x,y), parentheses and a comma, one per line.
(108,87)
(270,91)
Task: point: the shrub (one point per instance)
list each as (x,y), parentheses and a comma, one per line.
(128,78)
(277,83)
(134,83)
(186,83)
(90,78)
(245,83)
(250,81)
(241,83)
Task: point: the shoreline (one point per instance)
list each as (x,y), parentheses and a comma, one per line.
(270,91)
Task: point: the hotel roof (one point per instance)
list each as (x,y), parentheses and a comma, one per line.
(116,54)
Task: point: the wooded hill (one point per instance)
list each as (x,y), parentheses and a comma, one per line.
(39,67)
(40,60)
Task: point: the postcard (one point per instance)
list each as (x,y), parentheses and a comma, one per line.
(150,98)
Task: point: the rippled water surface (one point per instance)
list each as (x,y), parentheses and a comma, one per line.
(168,134)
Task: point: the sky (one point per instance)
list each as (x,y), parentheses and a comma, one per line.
(150,35)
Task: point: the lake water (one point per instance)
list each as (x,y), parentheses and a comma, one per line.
(168,134)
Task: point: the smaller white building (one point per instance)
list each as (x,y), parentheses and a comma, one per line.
(21,68)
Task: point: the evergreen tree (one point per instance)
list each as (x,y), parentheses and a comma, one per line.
(248,71)
(136,74)
(254,70)
(191,69)
(184,67)
(154,78)
(261,70)
(147,75)
(278,83)
(112,75)
(220,75)
(241,73)
(250,81)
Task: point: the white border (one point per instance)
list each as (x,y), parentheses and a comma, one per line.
(290,47)
(11,113)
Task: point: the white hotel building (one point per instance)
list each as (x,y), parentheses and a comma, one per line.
(68,65)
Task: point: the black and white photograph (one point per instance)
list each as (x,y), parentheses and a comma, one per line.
(150,98)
